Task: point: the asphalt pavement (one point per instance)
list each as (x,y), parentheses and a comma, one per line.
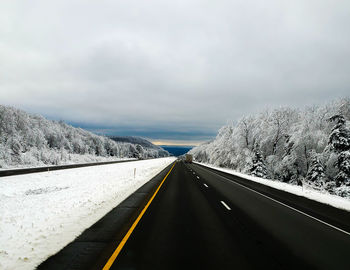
(205,219)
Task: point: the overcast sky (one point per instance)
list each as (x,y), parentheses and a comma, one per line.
(170,70)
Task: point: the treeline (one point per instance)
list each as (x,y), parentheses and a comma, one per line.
(152,150)
(310,146)
(32,140)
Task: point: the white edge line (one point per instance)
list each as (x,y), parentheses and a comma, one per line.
(226,206)
(205,185)
(319,220)
(197,177)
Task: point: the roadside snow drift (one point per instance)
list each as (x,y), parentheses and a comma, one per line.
(41,213)
(306,192)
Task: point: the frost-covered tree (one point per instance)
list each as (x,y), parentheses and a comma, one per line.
(246,128)
(140,151)
(343,164)
(30,140)
(288,169)
(316,174)
(339,139)
(288,138)
(258,165)
(274,125)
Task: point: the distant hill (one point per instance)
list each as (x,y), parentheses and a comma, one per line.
(134,140)
(28,140)
(142,142)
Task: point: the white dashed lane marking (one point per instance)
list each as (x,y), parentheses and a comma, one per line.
(226,206)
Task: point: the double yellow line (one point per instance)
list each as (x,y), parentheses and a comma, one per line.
(126,237)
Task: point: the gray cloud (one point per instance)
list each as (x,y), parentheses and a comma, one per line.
(171,66)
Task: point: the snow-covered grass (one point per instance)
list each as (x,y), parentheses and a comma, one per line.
(305,191)
(41,213)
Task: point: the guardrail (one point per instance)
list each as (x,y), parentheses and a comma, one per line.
(58,167)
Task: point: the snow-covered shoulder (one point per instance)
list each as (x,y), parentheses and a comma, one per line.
(41,213)
(335,201)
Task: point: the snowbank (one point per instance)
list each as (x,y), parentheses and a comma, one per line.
(41,213)
(306,192)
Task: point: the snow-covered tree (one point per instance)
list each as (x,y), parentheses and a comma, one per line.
(343,164)
(30,140)
(316,174)
(339,139)
(288,169)
(258,165)
(246,128)
(140,151)
(288,140)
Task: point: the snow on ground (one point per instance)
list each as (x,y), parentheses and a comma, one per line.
(304,191)
(40,213)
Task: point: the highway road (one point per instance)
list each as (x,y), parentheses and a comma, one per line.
(200,218)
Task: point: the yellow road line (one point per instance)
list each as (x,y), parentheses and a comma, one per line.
(126,237)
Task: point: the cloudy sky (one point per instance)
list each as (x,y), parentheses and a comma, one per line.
(170,70)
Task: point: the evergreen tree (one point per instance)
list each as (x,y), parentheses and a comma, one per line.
(316,174)
(258,167)
(343,177)
(339,140)
(140,151)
